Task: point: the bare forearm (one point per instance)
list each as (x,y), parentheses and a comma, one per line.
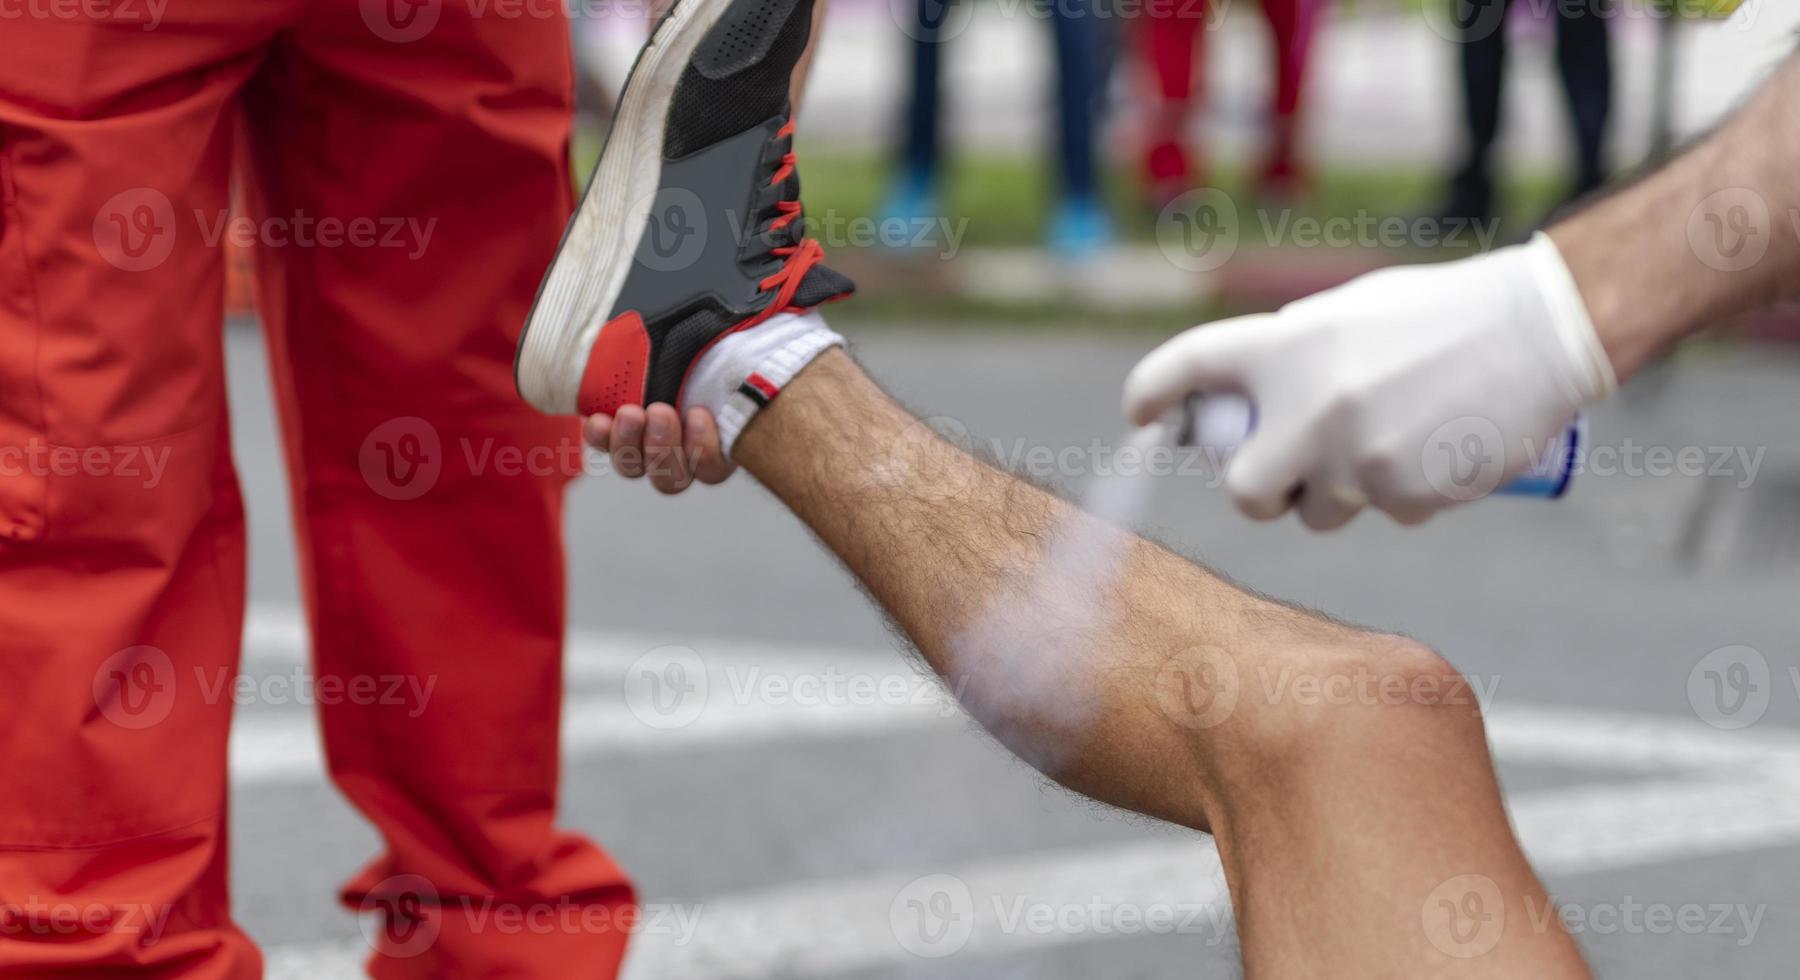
(955,552)
(1710,235)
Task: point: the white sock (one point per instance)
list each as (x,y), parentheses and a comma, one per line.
(744,371)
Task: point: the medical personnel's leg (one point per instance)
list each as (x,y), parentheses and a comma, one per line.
(1362,832)
(121,529)
(433,555)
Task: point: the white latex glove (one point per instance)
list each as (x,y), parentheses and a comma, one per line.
(1409,388)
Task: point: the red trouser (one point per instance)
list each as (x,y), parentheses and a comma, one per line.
(1171,38)
(405,189)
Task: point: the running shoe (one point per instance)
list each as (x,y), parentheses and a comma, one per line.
(691,227)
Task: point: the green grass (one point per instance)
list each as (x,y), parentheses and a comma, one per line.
(1006,199)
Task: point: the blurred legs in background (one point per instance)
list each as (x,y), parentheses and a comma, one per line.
(913,194)
(1584,60)
(1292,26)
(1079,223)
(1171,39)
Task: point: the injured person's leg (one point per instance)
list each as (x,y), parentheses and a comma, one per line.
(1345,774)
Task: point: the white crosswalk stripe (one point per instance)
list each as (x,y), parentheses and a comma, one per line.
(1676,789)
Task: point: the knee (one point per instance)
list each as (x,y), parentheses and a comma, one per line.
(1355,699)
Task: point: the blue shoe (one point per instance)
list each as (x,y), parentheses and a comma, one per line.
(910,201)
(1080,228)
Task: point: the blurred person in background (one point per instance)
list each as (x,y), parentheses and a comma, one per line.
(1171,40)
(1079,224)
(1584,61)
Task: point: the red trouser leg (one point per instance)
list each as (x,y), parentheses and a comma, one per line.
(1292,25)
(121,530)
(431,172)
(1170,36)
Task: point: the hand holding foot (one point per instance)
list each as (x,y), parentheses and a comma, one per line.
(656,441)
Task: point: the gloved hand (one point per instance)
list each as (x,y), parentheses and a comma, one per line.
(1409,388)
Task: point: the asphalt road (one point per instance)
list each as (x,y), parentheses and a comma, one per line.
(1655,781)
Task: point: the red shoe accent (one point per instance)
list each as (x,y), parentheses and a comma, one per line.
(618,368)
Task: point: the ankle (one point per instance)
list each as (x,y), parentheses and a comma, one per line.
(744,372)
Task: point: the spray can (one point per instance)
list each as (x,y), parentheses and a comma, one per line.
(1223,422)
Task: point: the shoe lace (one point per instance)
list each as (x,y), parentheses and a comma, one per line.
(798,253)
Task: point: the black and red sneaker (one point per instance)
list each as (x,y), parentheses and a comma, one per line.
(691,227)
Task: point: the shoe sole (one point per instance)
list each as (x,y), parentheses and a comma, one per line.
(569,316)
